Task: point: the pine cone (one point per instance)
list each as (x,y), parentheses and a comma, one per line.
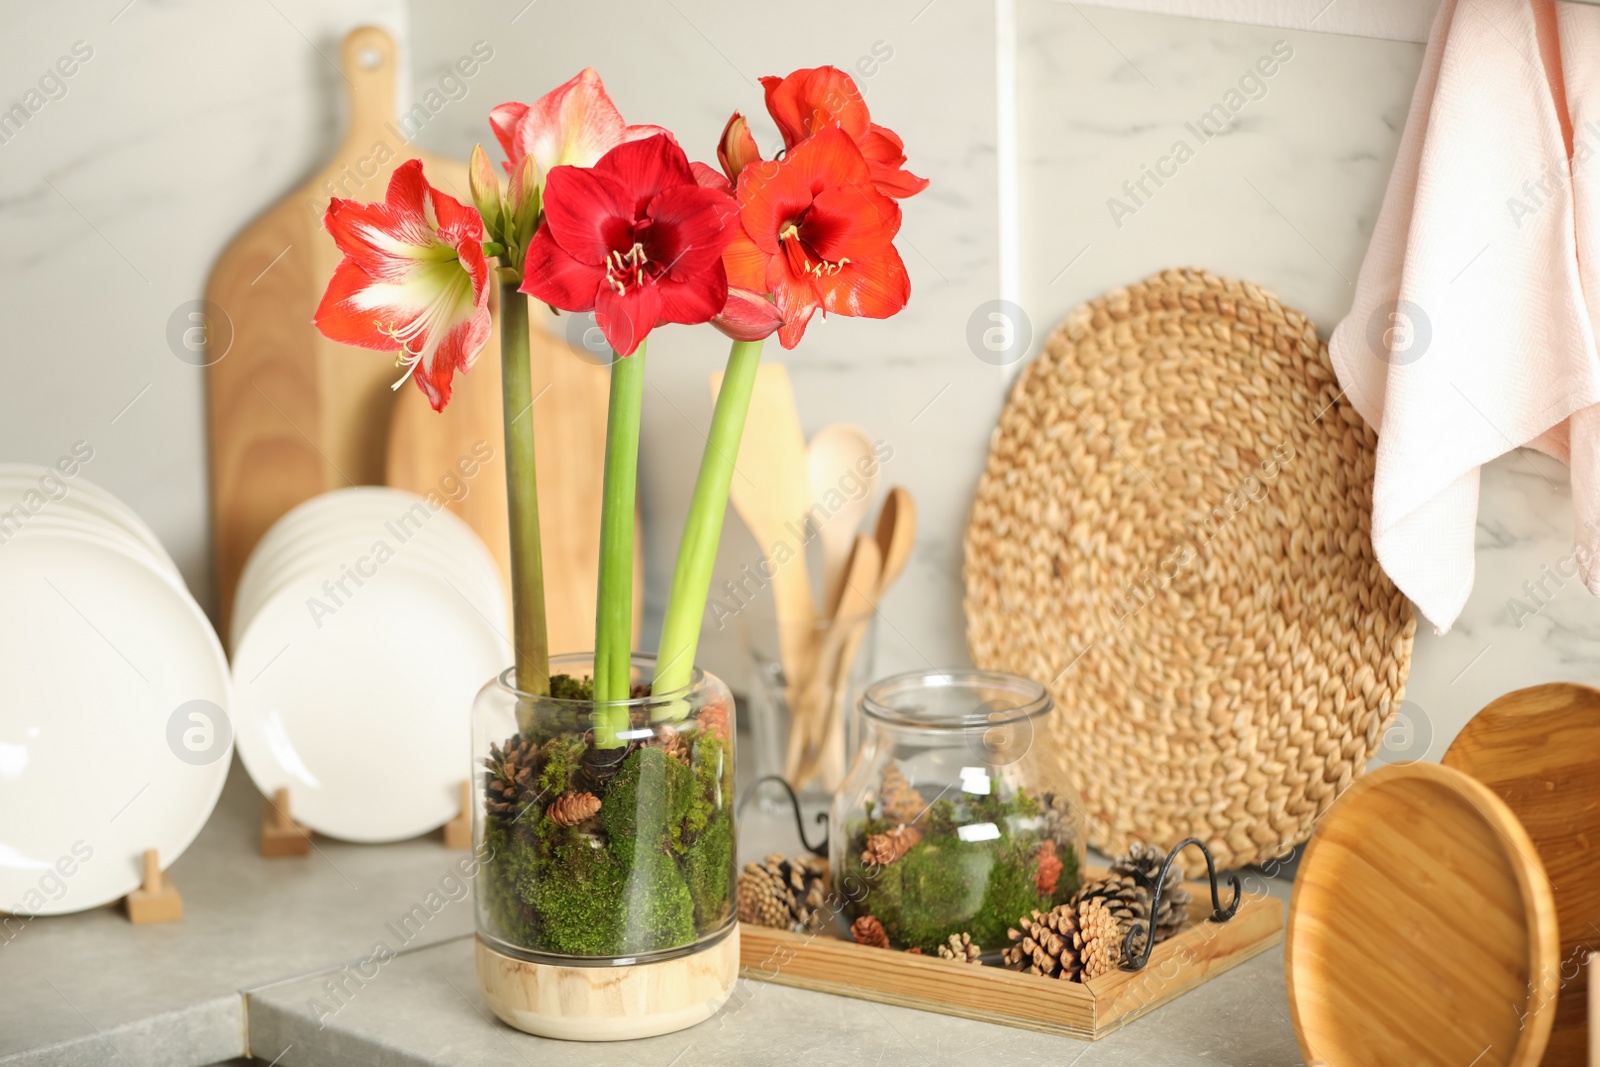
(784,894)
(569,809)
(869,931)
(961,948)
(1101,934)
(884,849)
(1144,864)
(1124,896)
(897,801)
(1057,822)
(713,720)
(1047,944)
(510,777)
(1048,872)
(675,744)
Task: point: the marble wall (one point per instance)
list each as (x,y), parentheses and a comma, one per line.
(191,117)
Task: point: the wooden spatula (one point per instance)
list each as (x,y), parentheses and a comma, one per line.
(569,427)
(292,414)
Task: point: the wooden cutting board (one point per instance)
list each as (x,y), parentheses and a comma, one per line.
(1420,928)
(292,414)
(1538,749)
(569,426)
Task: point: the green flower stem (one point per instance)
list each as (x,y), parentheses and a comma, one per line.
(531,638)
(613,639)
(697,552)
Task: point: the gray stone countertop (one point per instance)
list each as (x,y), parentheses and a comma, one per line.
(246,973)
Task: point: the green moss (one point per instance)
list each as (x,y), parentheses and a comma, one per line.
(647,802)
(946,886)
(706,867)
(566,687)
(561,755)
(580,900)
(659,910)
(941,818)
(512,860)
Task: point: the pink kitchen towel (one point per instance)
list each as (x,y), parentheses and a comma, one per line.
(1476,311)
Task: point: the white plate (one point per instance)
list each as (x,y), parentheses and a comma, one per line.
(365,714)
(341,556)
(101,656)
(78,523)
(82,496)
(340,527)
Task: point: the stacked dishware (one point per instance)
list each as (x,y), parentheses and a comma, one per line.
(364,623)
(114,696)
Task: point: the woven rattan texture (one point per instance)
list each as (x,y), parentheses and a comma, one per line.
(1173,532)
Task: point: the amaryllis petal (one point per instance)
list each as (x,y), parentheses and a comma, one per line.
(708,177)
(886,156)
(692,226)
(574,124)
(815,99)
(871,289)
(553,276)
(644,168)
(589,212)
(748,316)
(746,263)
(846,220)
(627,318)
(414,278)
(699,298)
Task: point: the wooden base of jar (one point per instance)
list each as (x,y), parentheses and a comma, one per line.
(609,1003)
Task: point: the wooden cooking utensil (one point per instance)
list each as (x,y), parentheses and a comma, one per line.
(569,428)
(818,723)
(1421,928)
(1538,749)
(292,414)
(836,454)
(896,534)
(772,493)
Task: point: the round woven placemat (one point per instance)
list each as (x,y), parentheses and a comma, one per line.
(1172,533)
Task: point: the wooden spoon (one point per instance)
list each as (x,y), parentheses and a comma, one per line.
(816,723)
(772,493)
(838,456)
(896,536)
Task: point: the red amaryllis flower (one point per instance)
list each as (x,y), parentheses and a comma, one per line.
(413,277)
(817,98)
(817,234)
(635,240)
(572,125)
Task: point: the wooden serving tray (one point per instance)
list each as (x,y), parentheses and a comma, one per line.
(1091,1010)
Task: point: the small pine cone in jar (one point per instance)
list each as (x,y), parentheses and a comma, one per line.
(569,809)
(883,849)
(713,720)
(869,931)
(897,801)
(961,949)
(1101,934)
(675,744)
(1047,873)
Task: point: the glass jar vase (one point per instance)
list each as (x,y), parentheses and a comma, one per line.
(605,842)
(958,814)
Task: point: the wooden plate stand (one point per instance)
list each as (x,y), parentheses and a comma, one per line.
(157,900)
(280,834)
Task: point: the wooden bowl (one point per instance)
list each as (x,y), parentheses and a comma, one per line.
(1422,930)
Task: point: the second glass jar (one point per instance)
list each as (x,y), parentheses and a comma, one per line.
(958,815)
